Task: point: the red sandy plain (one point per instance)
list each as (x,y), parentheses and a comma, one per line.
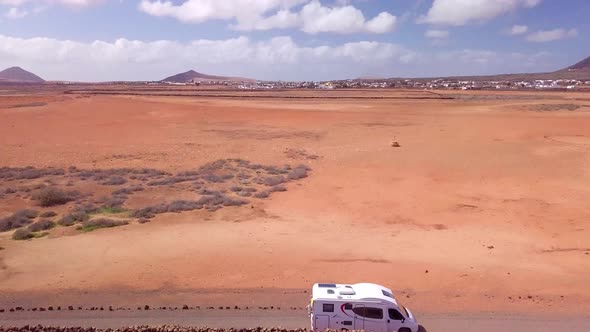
(484,207)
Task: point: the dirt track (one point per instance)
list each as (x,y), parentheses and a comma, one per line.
(483,207)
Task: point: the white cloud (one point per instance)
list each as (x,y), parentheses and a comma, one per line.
(15,13)
(461,12)
(551,35)
(249,15)
(70,3)
(12,2)
(436,34)
(198,11)
(276,58)
(518,30)
(347,19)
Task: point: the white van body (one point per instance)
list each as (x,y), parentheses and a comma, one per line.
(363,306)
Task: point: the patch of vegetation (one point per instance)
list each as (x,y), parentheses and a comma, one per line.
(142,174)
(18,219)
(262,194)
(48,214)
(556,107)
(109,210)
(41,225)
(94,224)
(127,191)
(31,104)
(114,202)
(79,214)
(115,181)
(25,234)
(222,183)
(28,173)
(271,180)
(10,191)
(52,196)
(298,172)
(206,201)
(300,154)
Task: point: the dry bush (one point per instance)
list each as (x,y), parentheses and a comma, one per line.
(298,172)
(53,196)
(262,194)
(213,178)
(556,107)
(206,201)
(48,214)
(113,202)
(280,187)
(27,213)
(114,181)
(172,180)
(142,174)
(73,218)
(271,180)
(208,192)
(300,154)
(41,225)
(79,214)
(17,219)
(92,224)
(28,173)
(127,191)
(22,234)
(182,205)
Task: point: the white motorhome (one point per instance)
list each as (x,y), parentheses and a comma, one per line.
(363,306)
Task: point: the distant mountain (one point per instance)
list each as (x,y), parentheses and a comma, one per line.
(19,75)
(193,76)
(582,65)
(579,71)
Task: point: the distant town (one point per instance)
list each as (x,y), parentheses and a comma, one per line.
(439,83)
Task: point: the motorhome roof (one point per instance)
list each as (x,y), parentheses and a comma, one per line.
(362,291)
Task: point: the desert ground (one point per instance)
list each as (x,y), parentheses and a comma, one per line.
(482,208)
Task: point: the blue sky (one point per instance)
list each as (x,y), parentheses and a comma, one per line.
(99,40)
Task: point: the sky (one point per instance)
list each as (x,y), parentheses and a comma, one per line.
(291,40)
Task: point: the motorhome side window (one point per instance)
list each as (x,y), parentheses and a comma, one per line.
(395,315)
(328,307)
(368,312)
